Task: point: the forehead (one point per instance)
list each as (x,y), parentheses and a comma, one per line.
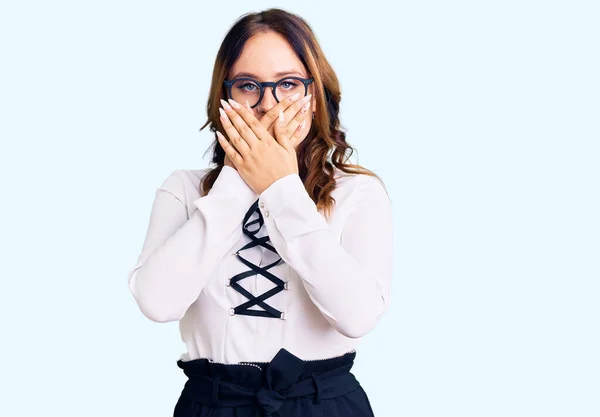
(265,55)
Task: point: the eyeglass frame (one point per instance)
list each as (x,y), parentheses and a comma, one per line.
(273,84)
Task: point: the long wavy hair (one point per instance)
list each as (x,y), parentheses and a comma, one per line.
(325,137)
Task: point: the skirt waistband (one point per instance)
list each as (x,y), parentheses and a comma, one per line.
(267,385)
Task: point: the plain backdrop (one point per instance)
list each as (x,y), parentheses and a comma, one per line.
(482,117)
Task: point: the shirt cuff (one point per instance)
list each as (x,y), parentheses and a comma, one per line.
(230,182)
(288,205)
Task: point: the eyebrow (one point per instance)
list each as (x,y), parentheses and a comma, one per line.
(279,74)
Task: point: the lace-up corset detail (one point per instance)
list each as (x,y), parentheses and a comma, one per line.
(250,228)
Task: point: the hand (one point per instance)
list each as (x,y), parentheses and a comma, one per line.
(228,162)
(256,154)
(269,118)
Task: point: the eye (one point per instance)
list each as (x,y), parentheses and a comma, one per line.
(288,84)
(248,86)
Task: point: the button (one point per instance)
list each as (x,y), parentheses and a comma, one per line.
(286,286)
(262,205)
(267,213)
(228,283)
(282,316)
(231,311)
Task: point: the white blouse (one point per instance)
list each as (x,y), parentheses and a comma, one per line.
(330,278)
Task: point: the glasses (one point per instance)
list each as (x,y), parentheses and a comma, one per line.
(248,89)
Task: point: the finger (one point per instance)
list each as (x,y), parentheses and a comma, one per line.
(296,113)
(298,134)
(248,117)
(234,136)
(272,115)
(240,125)
(230,151)
(282,134)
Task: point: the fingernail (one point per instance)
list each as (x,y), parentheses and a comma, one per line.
(305,107)
(295,97)
(248,105)
(223,115)
(234,104)
(225,105)
(307,98)
(281,118)
(302,124)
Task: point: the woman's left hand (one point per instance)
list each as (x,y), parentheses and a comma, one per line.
(259,158)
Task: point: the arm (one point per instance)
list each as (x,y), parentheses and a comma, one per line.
(179,254)
(349,280)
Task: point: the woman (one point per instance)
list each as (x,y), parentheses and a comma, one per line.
(278,260)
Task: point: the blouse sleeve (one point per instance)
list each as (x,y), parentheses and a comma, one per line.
(348,279)
(180,253)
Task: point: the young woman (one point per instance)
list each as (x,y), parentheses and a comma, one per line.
(279,259)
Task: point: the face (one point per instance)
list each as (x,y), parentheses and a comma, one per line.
(269,57)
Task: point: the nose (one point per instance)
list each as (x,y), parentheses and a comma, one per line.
(268,100)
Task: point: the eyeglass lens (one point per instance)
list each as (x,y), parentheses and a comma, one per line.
(243,90)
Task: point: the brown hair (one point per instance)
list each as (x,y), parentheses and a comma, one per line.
(325,135)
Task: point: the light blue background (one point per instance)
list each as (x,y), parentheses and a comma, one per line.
(486,132)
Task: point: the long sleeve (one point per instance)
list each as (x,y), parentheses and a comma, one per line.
(180,253)
(348,279)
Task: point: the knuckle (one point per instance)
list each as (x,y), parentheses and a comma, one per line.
(243,129)
(255,124)
(271,115)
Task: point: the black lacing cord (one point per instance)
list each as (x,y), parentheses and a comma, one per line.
(280,285)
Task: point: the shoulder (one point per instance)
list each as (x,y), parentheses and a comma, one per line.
(361,187)
(184,183)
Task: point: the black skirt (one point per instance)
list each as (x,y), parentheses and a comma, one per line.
(285,387)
